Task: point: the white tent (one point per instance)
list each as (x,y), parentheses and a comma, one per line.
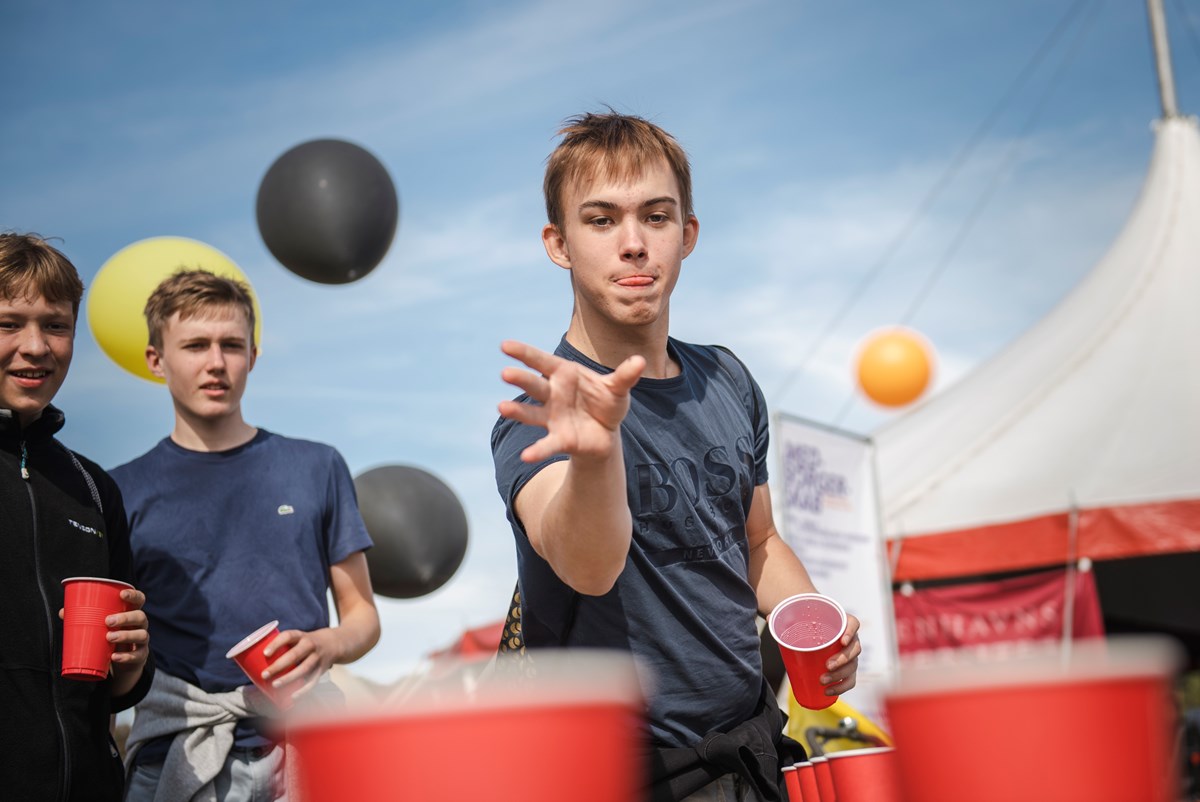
(1095,410)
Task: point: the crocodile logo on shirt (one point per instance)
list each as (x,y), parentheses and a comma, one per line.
(285,509)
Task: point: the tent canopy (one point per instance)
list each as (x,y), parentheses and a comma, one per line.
(1095,410)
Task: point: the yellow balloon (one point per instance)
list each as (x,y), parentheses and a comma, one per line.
(118,294)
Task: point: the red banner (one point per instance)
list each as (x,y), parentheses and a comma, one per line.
(1019,610)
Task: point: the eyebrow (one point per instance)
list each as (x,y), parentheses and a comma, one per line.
(609,205)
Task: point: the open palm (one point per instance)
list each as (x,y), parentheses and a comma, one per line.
(580,409)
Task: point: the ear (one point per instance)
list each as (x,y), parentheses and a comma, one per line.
(556,246)
(154,362)
(691,233)
(253,358)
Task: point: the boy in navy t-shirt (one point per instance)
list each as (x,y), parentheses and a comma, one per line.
(232,526)
(634,472)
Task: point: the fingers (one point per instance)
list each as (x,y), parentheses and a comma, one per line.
(130,637)
(534,385)
(134,598)
(535,358)
(529,414)
(297,658)
(851,633)
(843,668)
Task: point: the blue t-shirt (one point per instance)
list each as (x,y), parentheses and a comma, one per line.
(225,542)
(695,449)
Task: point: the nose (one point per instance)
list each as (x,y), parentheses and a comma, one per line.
(33,341)
(633,244)
(216,358)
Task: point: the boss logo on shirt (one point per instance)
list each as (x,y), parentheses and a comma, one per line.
(87,529)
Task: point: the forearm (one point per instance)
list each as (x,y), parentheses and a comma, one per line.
(356,634)
(777,573)
(586,528)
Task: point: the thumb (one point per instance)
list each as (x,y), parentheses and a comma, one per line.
(627,373)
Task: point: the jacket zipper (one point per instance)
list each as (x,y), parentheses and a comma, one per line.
(37,567)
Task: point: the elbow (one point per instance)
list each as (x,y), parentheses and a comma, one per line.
(594,580)
(594,586)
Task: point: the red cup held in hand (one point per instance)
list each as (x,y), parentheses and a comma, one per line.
(808,628)
(87,601)
(248,654)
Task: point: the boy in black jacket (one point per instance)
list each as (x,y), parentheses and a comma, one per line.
(61,517)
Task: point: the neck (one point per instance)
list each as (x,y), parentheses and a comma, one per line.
(200,434)
(611,345)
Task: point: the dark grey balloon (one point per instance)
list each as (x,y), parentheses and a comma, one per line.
(419,528)
(328,211)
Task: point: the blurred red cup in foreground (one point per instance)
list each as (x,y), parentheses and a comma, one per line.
(865,775)
(793,784)
(248,654)
(808,628)
(1096,725)
(807,777)
(87,601)
(572,732)
(824,776)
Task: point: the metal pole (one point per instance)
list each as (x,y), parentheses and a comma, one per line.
(1162,58)
(1069,583)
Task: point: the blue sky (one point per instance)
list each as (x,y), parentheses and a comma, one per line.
(815,132)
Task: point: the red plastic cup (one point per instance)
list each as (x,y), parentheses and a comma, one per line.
(572,733)
(1110,703)
(87,601)
(808,629)
(248,654)
(826,790)
(792,781)
(807,777)
(865,775)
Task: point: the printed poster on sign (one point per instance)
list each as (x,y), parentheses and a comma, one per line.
(828,515)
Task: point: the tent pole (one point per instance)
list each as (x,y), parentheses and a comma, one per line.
(1162,58)
(1068,622)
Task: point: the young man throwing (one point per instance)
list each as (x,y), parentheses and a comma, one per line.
(232,526)
(62,517)
(634,472)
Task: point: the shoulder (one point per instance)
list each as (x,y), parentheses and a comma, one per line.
(101,477)
(139,467)
(296,447)
(710,358)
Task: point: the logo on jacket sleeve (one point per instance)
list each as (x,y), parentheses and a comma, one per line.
(84,528)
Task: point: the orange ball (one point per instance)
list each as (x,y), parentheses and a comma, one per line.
(894,366)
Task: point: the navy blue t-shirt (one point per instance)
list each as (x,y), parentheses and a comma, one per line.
(225,542)
(695,449)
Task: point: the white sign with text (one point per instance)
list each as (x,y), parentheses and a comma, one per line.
(829,516)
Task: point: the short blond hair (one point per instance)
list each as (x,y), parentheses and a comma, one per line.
(614,146)
(194,292)
(32,268)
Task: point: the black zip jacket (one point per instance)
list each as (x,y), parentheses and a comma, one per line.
(54,738)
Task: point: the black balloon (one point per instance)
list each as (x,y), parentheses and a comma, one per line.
(418,526)
(327,210)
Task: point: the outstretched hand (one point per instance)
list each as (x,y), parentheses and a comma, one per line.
(580,409)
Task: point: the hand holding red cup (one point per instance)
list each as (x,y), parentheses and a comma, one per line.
(250,655)
(811,630)
(103,628)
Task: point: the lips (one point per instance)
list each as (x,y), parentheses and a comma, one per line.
(29,378)
(635,281)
